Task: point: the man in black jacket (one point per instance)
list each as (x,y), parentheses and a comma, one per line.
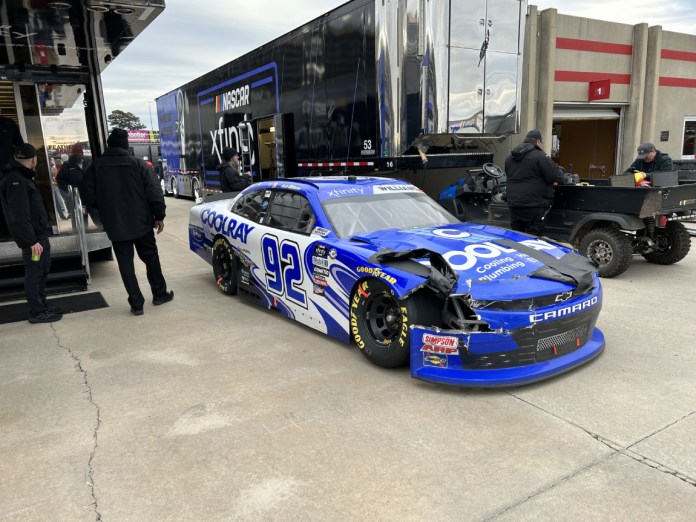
(531,175)
(131,204)
(29,225)
(650,160)
(71,173)
(231,180)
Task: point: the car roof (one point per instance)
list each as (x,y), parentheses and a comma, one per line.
(328,187)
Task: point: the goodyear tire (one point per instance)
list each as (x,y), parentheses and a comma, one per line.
(224,267)
(610,249)
(672,244)
(379,323)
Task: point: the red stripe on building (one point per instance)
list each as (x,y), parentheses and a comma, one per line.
(684,56)
(584,77)
(666,81)
(593,46)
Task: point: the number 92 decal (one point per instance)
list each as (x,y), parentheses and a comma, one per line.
(283,266)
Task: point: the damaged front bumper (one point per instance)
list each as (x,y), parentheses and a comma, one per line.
(505,358)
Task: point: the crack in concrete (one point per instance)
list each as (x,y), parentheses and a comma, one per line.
(616,449)
(95,431)
(547,488)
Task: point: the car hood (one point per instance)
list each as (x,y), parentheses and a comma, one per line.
(483,257)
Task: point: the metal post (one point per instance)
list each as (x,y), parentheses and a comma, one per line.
(149,106)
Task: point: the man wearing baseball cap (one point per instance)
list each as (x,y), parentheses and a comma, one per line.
(650,160)
(30,227)
(231,180)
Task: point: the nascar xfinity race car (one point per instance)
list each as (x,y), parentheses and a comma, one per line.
(377,262)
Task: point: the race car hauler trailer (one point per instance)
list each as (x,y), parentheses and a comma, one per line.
(396,86)
(51,56)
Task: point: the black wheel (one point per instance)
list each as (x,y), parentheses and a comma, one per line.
(610,249)
(175,187)
(224,267)
(379,323)
(671,244)
(196,190)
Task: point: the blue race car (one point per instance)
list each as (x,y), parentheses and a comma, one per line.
(377,262)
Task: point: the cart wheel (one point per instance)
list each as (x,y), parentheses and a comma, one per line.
(609,249)
(671,244)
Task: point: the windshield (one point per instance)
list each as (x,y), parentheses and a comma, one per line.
(359,214)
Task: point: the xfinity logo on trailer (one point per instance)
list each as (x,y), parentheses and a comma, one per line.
(562,312)
(229,137)
(232,99)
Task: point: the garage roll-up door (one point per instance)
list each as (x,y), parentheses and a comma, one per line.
(581,113)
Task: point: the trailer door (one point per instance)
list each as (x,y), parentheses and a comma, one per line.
(485,44)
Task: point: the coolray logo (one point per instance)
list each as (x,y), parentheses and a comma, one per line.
(470,255)
(226,225)
(442,344)
(232,99)
(562,312)
(376,272)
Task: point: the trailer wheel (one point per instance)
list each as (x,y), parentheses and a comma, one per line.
(224,267)
(609,249)
(672,244)
(196,190)
(175,188)
(379,323)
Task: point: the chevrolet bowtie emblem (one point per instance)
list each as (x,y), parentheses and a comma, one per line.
(560,298)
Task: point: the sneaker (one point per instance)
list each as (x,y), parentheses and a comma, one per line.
(45,317)
(164,299)
(53,310)
(137,311)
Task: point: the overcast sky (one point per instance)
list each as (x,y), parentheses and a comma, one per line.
(191,38)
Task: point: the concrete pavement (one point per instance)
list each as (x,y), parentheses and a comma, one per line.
(209,408)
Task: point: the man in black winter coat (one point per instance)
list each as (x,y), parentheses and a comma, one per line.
(131,204)
(29,225)
(531,175)
(650,160)
(231,180)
